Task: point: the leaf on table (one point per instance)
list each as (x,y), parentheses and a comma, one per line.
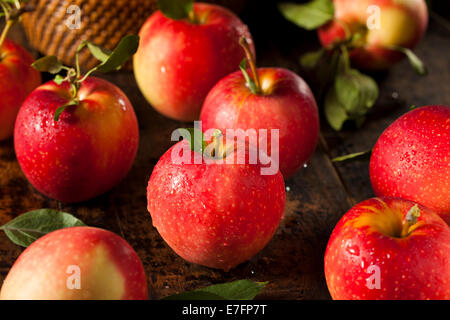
(236,290)
(30,226)
(364,155)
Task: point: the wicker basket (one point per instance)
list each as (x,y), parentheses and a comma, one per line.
(103,22)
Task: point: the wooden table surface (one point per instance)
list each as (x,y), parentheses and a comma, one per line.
(318,195)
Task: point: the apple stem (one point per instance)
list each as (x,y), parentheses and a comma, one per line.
(12,12)
(193,17)
(5,31)
(410,220)
(251,61)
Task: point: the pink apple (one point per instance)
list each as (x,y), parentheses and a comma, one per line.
(179,61)
(78,263)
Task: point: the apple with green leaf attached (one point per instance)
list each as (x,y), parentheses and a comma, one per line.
(77,136)
(273,98)
(17,77)
(362,34)
(211,209)
(185,49)
(378,33)
(389,249)
(386,30)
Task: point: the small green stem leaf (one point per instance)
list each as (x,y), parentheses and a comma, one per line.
(310,15)
(414,60)
(28,227)
(176,9)
(195,138)
(334,112)
(59,79)
(99,53)
(124,50)
(64,107)
(364,155)
(236,290)
(49,64)
(250,83)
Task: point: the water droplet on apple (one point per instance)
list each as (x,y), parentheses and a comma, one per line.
(352,249)
(163,69)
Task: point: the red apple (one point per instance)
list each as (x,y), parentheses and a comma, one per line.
(389,249)
(217,215)
(411,159)
(78,263)
(285,103)
(178,61)
(17,80)
(84,154)
(402,23)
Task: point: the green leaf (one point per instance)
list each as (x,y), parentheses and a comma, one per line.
(59,79)
(197,139)
(124,50)
(250,83)
(28,227)
(236,290)
(414,60)
(49,64)
(310,15)
(311,59)
(334,111)
(64,107)
(356,92)
(98,52)
(353,156)
(176,9)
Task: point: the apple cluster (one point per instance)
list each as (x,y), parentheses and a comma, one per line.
(397,246)
(70,143)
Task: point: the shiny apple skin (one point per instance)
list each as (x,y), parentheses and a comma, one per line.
(411,159)
(215,215)
(178,62)
(17,80)
(286,103)
(109,268)
(402,23)
(411,268)
(88,151)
